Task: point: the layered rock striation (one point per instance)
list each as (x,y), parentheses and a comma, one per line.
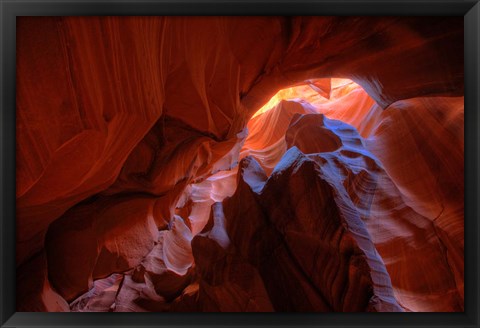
(148,181)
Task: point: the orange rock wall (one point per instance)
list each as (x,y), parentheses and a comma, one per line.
(125,122)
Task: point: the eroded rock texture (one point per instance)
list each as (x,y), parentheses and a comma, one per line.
(150,177)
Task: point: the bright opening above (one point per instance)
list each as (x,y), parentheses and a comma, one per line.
(316,91)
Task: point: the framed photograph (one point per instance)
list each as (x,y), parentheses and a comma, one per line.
(225,163)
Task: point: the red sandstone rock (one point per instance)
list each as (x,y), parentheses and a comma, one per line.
(431,177)
(228,283)
(395,228)
(101,298)
(93,240)
(34,292)
(168,265)
(162,275)
(124,121)
(313,256)
(431,190)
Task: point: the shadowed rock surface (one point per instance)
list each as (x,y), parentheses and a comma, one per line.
(150,178)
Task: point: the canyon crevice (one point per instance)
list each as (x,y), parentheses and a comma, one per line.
(150,178)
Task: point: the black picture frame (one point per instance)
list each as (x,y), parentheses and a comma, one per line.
(10,9)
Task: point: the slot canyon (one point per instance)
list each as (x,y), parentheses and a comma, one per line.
(240,164)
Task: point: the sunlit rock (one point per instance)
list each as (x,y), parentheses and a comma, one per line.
(239,164)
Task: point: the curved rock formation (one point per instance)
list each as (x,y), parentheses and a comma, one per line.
(93,240)
(311,259)
(348,195)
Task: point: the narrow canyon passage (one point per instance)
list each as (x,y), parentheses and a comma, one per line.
(251,164)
